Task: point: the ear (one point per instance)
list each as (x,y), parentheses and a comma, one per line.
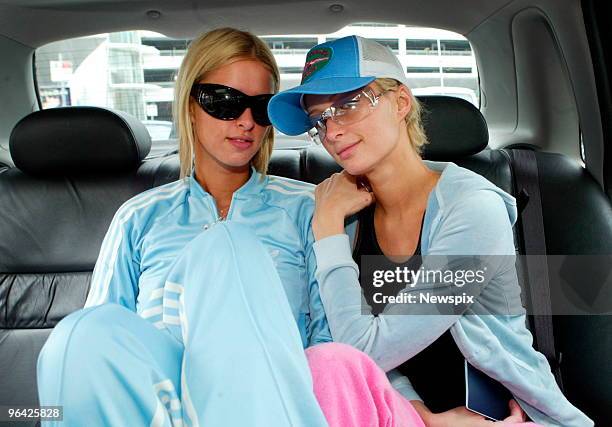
(404,102)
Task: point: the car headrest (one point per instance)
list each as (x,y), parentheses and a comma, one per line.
(73,141)
(455,128)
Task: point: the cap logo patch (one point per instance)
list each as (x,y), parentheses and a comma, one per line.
(315,60)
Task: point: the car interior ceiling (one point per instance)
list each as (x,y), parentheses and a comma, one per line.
(539,93)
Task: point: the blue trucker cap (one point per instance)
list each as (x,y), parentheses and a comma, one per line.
(336,66)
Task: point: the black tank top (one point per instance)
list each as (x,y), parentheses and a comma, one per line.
(437,372)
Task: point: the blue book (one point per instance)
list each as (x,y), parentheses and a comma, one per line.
(484,395)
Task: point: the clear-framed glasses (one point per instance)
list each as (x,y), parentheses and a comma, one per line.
(353,108)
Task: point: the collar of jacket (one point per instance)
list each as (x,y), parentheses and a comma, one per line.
(252,187)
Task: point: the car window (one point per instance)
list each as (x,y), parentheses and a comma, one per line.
(134,71)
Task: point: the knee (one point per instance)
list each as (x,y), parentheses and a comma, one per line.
(82,330)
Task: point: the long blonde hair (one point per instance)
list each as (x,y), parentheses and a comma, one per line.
(206,53)
(414,124)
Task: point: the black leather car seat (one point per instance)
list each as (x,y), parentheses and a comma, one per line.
(74,168)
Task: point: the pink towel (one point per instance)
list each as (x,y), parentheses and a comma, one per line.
(354,392)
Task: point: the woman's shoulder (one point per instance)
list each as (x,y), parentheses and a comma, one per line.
(469,215)
(152,202)
(288,192)
(273,180)
(295,198)
(460,187)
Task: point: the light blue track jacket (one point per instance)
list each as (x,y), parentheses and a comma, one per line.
(150,229)
(466,215)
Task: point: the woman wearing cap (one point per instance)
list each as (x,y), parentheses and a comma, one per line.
(203,296)
(355,100)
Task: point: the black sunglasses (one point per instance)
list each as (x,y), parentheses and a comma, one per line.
(227,103)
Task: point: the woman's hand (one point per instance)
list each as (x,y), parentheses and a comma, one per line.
(517,415)
(461,416)
(337,198)
(457,417)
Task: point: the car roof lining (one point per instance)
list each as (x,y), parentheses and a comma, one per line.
(186,18)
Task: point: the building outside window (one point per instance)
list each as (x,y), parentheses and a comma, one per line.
(135,71)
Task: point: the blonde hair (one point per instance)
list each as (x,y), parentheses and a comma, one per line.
(414,124)
(206,53)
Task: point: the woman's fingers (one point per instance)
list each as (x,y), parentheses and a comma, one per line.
(517,415)
(465,417)
(340,193)
(336,198)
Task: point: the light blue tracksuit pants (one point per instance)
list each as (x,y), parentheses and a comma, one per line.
(235,359)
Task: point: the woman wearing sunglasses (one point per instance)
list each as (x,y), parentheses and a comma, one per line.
(355,100)
(203,296)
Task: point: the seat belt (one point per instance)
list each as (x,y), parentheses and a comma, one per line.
(532,223)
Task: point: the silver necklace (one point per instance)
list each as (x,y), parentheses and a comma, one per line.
(222,214)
